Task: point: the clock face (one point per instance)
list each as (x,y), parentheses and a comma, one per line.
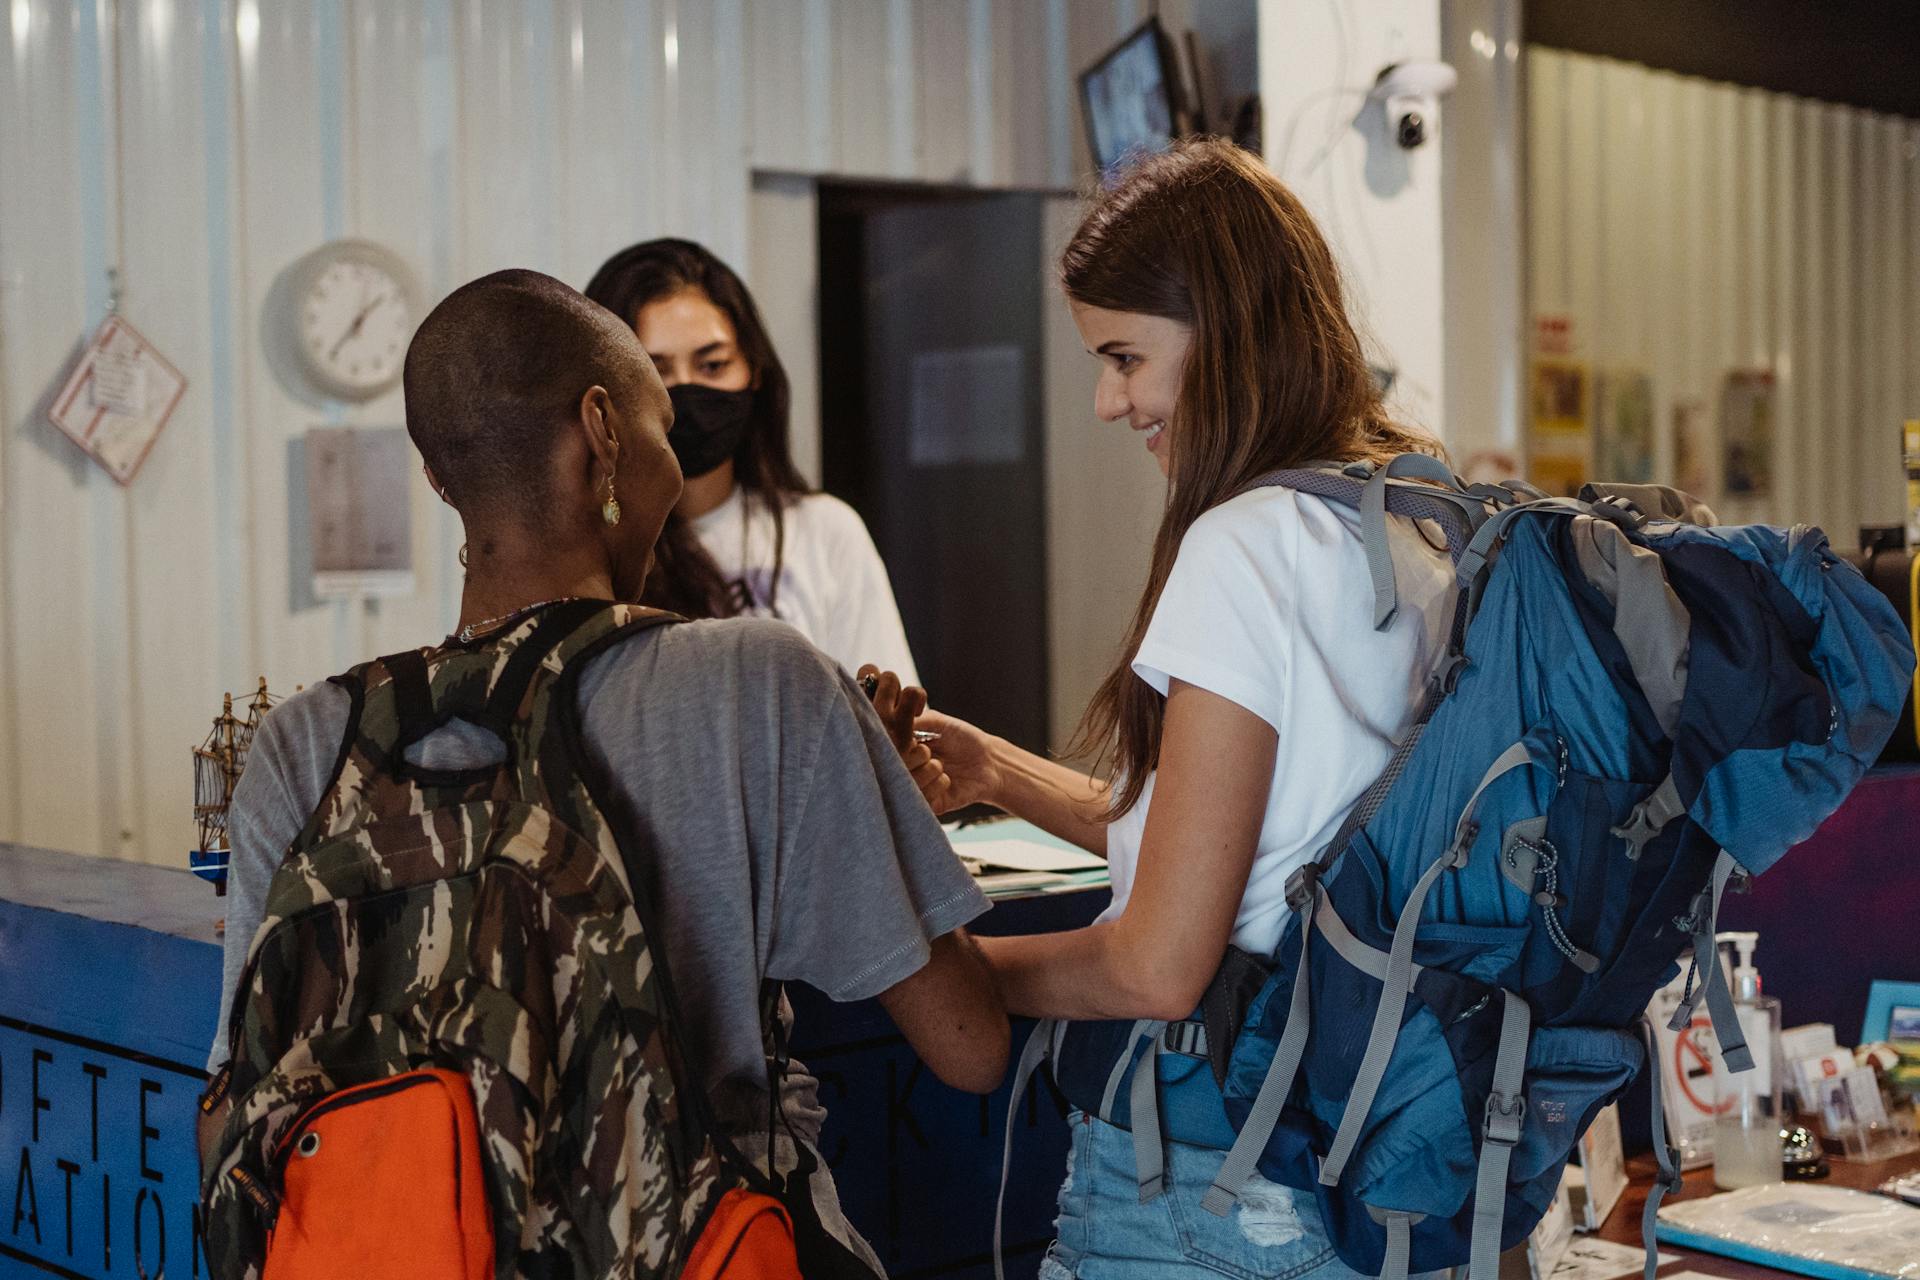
(355,319)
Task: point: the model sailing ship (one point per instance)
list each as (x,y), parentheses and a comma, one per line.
(216,771)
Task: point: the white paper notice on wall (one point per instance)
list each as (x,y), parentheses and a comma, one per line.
(360,511)
(118,397)
(968,405)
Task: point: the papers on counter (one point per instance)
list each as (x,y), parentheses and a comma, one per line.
(1010,858)
(1589,1259)
(1027,855)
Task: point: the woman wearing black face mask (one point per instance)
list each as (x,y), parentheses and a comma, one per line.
(748,536)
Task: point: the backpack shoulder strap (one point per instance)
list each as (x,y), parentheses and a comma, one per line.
(1433,492)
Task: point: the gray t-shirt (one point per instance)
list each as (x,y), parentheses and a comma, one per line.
(780,836)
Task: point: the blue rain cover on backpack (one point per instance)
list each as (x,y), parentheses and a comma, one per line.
(1626,699)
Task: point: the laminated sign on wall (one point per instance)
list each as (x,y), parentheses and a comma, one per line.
(359,503)
(119,396)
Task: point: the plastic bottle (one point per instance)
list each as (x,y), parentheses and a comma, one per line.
(1746,1127)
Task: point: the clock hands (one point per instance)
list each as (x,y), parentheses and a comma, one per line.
(354,329)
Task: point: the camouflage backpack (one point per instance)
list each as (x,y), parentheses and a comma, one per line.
(479,920)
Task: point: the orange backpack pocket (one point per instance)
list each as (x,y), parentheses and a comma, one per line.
(749,1237)
(384,1180)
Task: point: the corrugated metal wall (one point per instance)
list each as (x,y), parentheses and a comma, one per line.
(1691,228)
(205,145)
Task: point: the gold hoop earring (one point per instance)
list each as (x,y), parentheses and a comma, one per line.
(463,555)
(610,509)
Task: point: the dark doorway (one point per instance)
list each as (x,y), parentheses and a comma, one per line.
(932,428)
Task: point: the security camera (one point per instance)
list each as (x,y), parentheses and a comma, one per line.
(1409,93)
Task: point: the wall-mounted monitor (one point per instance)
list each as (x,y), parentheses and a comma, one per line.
(1131,97)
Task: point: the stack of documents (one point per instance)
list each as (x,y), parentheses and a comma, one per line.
(1014,859)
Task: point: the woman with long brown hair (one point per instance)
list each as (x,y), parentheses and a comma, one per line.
(1253,700)
(749,536)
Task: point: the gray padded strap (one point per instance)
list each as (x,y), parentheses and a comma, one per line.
(1454,509)
(1506,1115)
(1373,537)
(1373,526)
(1669,1167)
(1369,960)
(1031,1056)
(1264,1117)
(1149,1148)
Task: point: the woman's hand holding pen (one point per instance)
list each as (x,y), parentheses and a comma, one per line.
(965,771)
(898,706)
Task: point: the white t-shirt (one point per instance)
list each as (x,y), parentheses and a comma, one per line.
(1269,605)
(833,586)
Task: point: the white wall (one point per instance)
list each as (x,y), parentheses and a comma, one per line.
(1483,155)
(1378,205)
(205,145)
(1690,227)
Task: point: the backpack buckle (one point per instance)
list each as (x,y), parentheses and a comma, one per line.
(1505,1117)
(1638,831)
(1624,512)
(1669,1178)
(1302,885)
(1457,853)
(1188,1039)
(1447,677)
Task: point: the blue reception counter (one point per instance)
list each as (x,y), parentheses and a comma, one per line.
(109,978)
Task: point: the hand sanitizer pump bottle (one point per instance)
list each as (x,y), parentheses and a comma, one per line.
(1746,1127)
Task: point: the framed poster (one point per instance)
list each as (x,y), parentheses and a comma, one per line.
(1690,426)
(1624,411)
(1561,411)
(1747,407)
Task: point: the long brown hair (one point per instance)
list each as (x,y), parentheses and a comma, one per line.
(1275,375)
(684,578)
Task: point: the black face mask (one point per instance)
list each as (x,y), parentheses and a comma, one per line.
(707,426)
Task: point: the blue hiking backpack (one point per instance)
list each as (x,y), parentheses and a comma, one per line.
(1633,711)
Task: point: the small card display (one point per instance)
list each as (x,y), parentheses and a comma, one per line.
(117,399)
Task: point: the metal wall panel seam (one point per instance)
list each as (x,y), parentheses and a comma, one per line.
(99,87)
(982,168)
(903,86)
(1841,476)
(818,85)
(230,545)
(1059,97)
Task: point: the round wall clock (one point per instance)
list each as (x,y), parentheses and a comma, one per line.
(355,305)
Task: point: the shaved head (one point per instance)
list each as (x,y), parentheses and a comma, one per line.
(495,373)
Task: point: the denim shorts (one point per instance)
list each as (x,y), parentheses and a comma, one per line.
(1105,1233)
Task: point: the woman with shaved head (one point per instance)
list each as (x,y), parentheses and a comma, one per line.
(755,798)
